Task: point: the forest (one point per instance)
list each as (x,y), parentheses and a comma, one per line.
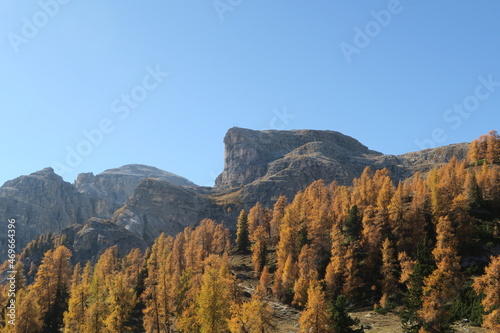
(427,249)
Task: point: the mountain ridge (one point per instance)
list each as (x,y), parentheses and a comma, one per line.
(259,166)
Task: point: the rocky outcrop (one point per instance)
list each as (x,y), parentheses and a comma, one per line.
(251,155)
(158,206)
(41,202)
(110,189)
(262,165)
(90,240)
(424,160)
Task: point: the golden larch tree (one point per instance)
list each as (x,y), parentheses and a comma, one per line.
(443,283)
(50,289)
(489,286)
(79,299)
(388,272)
(255,316)
(262,289)
(278,213)
(334,276)
(259,250)
(213,302)
(307,275)
(315,317)
(27,314)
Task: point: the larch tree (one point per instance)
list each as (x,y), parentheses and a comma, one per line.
(493,147)
(254,316)
(213,303)
(307,275)
(334,275)
(353,282)
(372,238)
(133,265)
(341,206)
(407,265)
(278,213)
(258,217)
(79,299)
(121,302)
(153,321)
(288,279)
(50,289)
(397,218)
(385,192)
(27,315)
(262,289)
(489,286)
(363,190)
(318,221)
(315,317)
(388,272)
(463,222)
(442,285)
(414,272)
(156,294)
(288,248)
(416,217)
(259,250)
(99,309)
(472,192)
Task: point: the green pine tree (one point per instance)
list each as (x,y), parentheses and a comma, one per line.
(340,320)
(412,299)
(242,234)
(353,224)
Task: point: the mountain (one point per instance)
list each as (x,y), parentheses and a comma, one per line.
(88,241)
(109,190)
(142,201)
(158,206)
(43,202)
(265,164)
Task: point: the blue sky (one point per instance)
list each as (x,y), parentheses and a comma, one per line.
(159,82)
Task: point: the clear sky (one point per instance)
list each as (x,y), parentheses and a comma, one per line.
(90,85)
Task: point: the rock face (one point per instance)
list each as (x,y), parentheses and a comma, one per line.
(109,190)
(251,155)
(158,206)
(266,164)
(41,202)
(90,240)
(141,202)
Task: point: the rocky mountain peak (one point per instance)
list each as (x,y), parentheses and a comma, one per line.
(247,153)
(144,171)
